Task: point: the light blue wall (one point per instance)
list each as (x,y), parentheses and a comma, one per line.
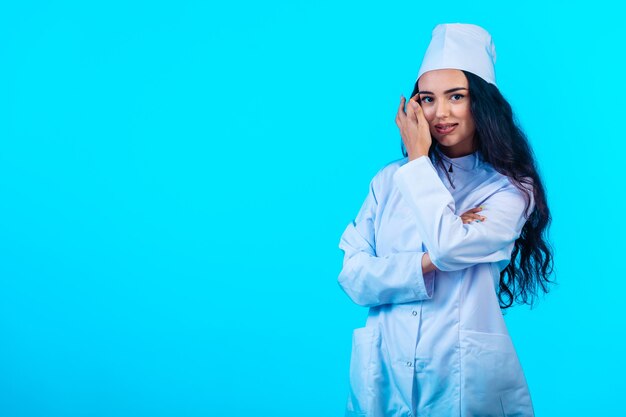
(174,179)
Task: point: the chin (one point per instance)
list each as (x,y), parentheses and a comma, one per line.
(446,142)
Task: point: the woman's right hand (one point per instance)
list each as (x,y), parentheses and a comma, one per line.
(470,215)
(413,127)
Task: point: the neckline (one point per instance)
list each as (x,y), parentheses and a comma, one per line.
(465,162)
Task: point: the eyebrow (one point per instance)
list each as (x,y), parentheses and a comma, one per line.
(445,92)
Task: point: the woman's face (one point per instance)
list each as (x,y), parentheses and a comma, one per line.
(445,99)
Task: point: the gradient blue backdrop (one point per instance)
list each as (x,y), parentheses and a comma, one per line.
(175,178)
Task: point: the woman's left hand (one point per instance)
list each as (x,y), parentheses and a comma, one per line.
(470,215)
(413,128)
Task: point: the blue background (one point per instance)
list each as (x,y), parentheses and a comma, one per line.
(175,178)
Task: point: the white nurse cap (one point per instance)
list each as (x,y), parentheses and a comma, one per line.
(461,46)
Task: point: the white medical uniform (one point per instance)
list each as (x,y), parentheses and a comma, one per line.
(434,344)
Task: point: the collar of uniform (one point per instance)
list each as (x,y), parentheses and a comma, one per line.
(467,162)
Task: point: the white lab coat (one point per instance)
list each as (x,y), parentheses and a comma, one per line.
(434,344)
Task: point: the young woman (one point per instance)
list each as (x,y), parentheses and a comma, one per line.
(446,238)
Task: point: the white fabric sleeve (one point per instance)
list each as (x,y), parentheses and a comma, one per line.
(370,280)
(451,244)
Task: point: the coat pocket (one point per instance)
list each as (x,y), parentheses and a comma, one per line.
(492,380)
(361,390)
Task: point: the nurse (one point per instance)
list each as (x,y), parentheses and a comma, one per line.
(446,238)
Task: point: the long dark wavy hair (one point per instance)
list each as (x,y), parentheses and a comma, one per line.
(503,144)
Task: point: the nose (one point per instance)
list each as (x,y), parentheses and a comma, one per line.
(443,109)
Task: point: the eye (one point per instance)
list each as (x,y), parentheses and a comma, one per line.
(427,99)
(457,97)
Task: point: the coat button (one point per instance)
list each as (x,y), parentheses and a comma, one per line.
(414,313)
(409,364)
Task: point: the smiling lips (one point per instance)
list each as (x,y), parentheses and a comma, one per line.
(445,128)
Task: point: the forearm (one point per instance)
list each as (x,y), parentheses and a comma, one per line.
(427,265)
(393,279)
(452,244)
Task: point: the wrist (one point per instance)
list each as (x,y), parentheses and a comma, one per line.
(413,156)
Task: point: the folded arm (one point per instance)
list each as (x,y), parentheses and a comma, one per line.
(453,245)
